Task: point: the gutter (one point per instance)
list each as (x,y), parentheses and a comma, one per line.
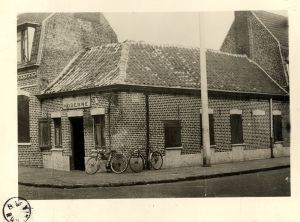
(162,90)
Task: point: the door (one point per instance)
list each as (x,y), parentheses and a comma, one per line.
(77,144)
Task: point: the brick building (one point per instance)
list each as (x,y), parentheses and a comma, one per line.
(127,95)
(263,37)
(46,44)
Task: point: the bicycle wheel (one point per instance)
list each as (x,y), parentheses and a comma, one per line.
(156,160)
(136,163)
(92,165)
(118,163)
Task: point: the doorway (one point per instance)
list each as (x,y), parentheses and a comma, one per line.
(77,141)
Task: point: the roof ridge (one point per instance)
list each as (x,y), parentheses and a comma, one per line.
(255,63)
(123,63)
(104,45)
(227,53)
(278,44)
(133,42)
(42,37)
(270,13)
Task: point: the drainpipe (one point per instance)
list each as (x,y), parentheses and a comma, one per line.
(271,128)
(147,129)
(108,111)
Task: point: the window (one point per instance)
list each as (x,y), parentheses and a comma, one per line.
(24,44)
(44,133)
(236,129)
(172,133)
(23,119)
(99,129)
(211,129)
(277,128)
(57,132)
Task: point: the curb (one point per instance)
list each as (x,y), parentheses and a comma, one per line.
(187,178)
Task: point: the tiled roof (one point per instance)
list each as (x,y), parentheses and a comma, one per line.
(142,64)
(277,24)
(32,18)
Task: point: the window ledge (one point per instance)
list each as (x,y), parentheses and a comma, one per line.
(24,144)
(22,66)
(174,148)
(56,149)
(279,142)
(239,144)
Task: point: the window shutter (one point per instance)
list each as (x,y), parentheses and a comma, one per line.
(23,119)
(44,133)
(172,133)
(236,129)
(211,129)
(277,127)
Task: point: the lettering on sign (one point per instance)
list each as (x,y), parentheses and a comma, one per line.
(76,102)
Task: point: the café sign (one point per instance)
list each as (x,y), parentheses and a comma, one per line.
(77,102)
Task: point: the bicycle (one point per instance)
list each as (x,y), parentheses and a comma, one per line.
(117,162)
(137,161)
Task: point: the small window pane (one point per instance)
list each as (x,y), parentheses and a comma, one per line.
(19,47)
(25,45)
(99,129)
(30,40)
(57,132)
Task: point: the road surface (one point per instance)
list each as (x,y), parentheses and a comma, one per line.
(267,183)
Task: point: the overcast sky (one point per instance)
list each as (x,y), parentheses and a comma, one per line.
(180,28)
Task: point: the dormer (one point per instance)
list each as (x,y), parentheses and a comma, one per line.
(25,36)
(29,27)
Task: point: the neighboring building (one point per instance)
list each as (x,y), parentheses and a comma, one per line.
(122,96)
(263,37)
(128,95)
(46,42)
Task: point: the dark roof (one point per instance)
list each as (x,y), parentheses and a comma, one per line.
(142,64)
(36,18)
(277,24)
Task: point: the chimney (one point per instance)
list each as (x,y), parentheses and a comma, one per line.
(242,35)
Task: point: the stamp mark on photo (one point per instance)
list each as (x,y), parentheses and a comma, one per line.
(16,209)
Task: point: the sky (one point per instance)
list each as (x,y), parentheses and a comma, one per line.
(175,28)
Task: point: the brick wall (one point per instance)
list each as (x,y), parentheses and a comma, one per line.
(128,121)
(257,43)
(65,35)
(30,155)
(256,129)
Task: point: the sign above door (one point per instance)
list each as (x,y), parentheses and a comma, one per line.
(77,102)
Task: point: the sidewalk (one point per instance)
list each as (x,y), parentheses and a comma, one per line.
(41,177)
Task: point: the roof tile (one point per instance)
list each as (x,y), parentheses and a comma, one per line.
(277,24)
(169,66)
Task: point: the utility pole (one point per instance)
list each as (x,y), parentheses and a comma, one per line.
(204,94)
